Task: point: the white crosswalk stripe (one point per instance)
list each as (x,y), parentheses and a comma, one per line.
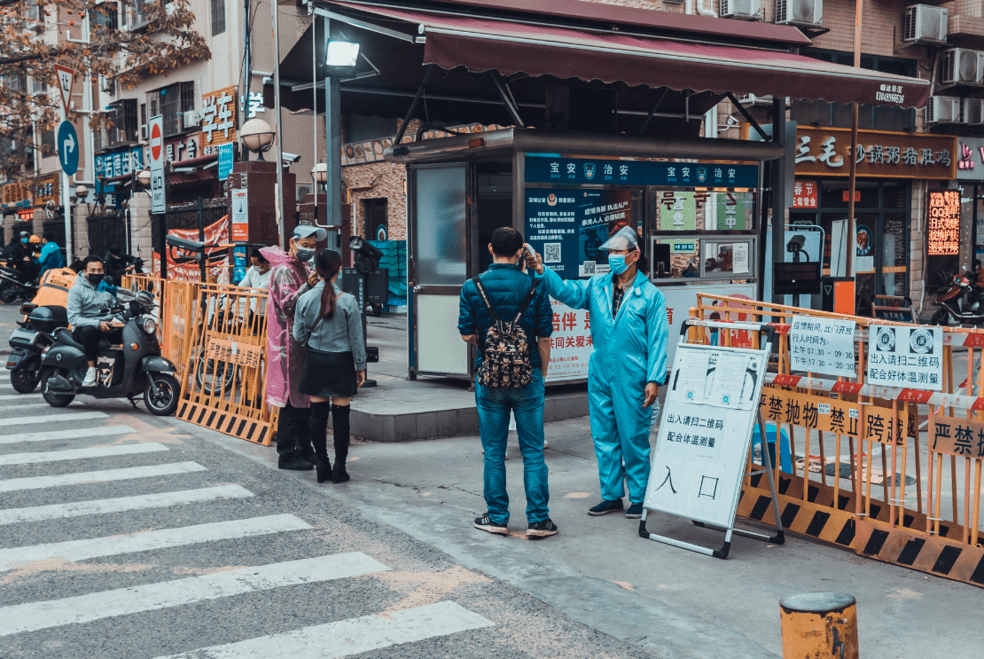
(80,550)
(58,418)
(102,431)
(25,406)
(151,597)
(139,502)
(100,476)
(349,637)
(20,397)
(81,453)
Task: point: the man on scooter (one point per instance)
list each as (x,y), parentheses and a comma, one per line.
(88,313)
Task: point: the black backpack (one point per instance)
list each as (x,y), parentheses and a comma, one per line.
(506,361)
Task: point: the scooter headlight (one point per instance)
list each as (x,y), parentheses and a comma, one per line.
(149,325)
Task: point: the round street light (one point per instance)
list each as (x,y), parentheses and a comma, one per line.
(143,178)
(81,192)
(257,136)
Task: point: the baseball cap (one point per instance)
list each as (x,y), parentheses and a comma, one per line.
(624,238)
(306,230)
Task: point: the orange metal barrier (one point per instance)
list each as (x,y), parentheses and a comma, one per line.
(908,489)
(222,339)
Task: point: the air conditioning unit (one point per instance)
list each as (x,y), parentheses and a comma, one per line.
(190,119)
(972,111)
(745,10)
(943,110)
(962,67)
(799,12)
(144,133)
(925,24)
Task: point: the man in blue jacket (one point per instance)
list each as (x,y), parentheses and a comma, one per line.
(629,330)
(507,285)
(51,256)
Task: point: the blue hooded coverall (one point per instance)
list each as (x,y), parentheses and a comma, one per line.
(629,351)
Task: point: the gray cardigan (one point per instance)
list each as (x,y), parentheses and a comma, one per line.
(343,333)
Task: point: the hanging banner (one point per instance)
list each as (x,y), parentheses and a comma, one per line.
(570,344)
(185,268)
(906,357)
(822,345)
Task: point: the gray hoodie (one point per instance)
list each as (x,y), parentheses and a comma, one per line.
(86,305)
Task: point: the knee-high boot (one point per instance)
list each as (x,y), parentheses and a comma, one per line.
(340,427)
(319,438)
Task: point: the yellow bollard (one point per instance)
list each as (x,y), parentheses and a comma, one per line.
(819,626)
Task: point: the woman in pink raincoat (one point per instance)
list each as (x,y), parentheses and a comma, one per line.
(285,357)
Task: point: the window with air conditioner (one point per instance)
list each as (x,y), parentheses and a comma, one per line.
(171,102)
(925,24)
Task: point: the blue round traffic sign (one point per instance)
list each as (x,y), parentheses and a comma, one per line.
(68,148)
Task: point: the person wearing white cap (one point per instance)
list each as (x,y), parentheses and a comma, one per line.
(629,330)
(289,279)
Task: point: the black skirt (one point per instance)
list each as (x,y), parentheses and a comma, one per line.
(328,374)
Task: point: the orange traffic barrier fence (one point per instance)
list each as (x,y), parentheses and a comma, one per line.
(889,468)
(220,332)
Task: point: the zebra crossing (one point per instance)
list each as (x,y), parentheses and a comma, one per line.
(75,453)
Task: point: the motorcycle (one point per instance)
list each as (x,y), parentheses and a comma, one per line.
(29,341)
(124,371)
(12,285)
(958,303)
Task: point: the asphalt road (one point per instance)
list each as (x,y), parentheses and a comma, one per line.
(129,536)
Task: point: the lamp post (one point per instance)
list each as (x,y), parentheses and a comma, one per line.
(341,58)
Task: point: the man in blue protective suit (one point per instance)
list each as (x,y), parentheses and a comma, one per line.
(630,331)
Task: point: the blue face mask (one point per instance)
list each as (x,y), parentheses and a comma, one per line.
(617,263)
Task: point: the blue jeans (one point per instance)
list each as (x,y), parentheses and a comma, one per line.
(493,419)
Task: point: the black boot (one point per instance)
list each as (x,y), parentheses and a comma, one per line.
(304,447)
(319,438)
(289,457)
(340,426)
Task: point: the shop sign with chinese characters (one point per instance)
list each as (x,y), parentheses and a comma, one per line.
(944,223)
(182,148)
(909,357)
(970,159)
(805,194)
(581,171)
(218,119)
(833,416)
(880,154)
(822,345)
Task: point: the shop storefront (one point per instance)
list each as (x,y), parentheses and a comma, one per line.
(892,170)
(970,177)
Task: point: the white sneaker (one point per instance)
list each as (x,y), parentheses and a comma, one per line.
(90,377)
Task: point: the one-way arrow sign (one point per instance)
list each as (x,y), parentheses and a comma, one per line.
(68,151)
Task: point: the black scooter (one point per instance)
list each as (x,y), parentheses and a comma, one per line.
(14,284)
(124,371)
(29,341)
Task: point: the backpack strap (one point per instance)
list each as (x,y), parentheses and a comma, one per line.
(485,299)
(526,302)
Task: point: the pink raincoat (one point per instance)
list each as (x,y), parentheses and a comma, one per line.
(285,356)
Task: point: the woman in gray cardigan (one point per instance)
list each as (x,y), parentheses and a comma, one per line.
(328,323)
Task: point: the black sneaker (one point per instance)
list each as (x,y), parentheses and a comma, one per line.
(606,507)
(485,523)
(634,511)
(541,529)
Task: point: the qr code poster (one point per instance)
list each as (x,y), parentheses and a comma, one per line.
(552,253)
(910,357)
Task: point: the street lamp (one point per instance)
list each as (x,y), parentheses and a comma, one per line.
(143,178)
(320,174)
(257,136)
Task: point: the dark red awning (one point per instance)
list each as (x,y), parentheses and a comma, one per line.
(509,47)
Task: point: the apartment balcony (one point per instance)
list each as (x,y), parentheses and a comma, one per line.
(966,31)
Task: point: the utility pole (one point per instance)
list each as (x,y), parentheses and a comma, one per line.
(281,218)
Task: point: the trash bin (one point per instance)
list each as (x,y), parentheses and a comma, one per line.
(786,458)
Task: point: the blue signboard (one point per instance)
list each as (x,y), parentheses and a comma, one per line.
(116,163)
(583,171)
(68,148)
(567,227)
(225,160)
